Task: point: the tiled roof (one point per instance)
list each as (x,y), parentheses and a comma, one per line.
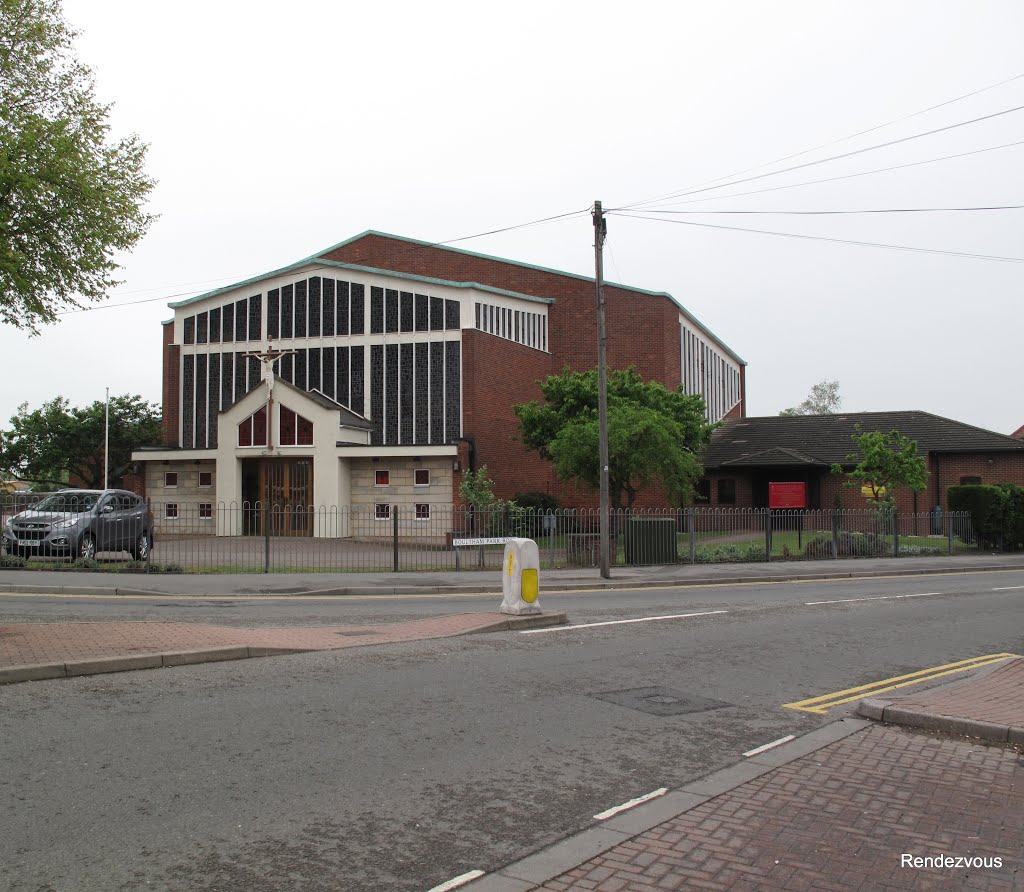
(824,439)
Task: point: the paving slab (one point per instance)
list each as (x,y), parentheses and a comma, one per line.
(35,651)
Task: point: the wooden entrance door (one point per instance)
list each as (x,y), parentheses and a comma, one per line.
(287,484)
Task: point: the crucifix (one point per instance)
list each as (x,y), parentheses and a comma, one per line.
(268,357)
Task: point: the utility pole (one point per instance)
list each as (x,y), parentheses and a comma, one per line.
(600,233)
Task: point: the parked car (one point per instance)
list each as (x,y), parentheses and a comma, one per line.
(81,523)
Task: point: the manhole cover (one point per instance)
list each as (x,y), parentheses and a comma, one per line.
(660,701)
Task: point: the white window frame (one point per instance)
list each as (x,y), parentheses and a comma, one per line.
(170,507)
(381,515)
(168,485)
(208,505)
(426,515)
(417,472)
(381,471)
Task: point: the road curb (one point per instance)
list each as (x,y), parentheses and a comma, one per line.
(466,588)
(565,854)
(167,659)
(130,662)
(890,712)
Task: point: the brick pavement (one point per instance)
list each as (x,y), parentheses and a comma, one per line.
(837,819)
(836,809)
(42,643)
(994,698)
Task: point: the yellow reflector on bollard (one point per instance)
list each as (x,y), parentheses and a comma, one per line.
(531,586)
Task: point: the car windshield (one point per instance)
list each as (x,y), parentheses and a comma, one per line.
(74,502)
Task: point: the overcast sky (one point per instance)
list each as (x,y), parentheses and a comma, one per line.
(276,130)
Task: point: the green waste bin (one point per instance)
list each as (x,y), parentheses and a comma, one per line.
(650,540)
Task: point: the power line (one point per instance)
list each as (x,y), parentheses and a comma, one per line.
(1000,207)
(417,247)
(847,176)
(822,238)
(892,142)
(832,143)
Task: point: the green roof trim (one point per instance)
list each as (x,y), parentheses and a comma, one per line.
(543,269)
(316,261)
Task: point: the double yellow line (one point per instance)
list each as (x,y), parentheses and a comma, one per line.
(820,705)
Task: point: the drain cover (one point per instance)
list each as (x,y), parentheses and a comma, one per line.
(660,701)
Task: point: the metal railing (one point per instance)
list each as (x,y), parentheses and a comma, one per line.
(206,537)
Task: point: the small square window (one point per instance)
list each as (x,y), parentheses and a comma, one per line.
(382,511)
(422,477)
(382,478)
(423,512)
(206,478)
(170,478)
(171,511)
(206,509)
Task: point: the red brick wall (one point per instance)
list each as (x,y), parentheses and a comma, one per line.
(171,386)
(642,329)
(497,374)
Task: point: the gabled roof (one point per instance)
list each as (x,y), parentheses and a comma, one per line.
(827,439)
(1019,433)
(316,262)
(348,417)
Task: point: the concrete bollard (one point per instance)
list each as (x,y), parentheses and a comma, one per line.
(520,578)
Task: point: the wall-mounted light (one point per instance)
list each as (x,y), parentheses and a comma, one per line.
(456,466)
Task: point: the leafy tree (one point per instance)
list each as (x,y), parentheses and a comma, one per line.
(477,488)
(654,434)
(56,442)
(824,399)
(70,197)
(885,462)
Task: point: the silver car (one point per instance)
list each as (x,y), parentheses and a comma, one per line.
(81,523)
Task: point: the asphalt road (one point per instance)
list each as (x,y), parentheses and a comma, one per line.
(400,767)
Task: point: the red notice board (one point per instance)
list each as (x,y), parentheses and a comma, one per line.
(787,495)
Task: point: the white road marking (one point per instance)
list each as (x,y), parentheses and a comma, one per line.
(772,745)
(1007,588)
(457,881)
(880,598)
(619,622)
(601,816)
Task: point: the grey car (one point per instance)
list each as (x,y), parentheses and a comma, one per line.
(82,523)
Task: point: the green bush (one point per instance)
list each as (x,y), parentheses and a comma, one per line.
(997,513)
(12,562)
(847,545)
(730,553)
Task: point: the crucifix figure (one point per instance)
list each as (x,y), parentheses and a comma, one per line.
(268,357)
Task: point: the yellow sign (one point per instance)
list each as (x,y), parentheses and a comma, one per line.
(870,492)
(511,561)
(531,586)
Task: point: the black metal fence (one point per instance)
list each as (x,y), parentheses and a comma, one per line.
(252,537)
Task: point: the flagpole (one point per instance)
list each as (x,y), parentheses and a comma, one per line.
(106,440)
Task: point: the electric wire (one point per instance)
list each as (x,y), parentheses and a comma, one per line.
(847,176)
(850,154)
(826,145)
(822,238)
(999,207)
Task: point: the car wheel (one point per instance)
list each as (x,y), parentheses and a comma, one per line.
(87,547)
(140,550)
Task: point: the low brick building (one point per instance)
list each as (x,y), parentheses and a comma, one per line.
(748,454)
